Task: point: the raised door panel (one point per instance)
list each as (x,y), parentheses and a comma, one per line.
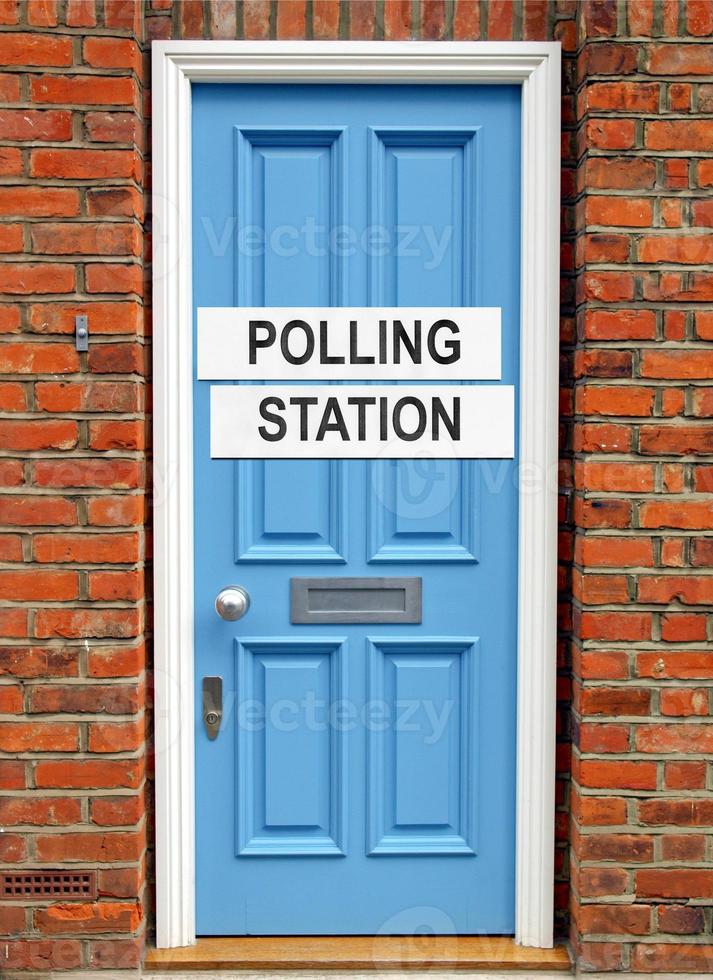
(290,758)
(422,746)
(289,191)
(423,198)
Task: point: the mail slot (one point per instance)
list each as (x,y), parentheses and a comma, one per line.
(355,600)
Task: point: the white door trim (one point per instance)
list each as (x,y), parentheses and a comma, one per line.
(536,66)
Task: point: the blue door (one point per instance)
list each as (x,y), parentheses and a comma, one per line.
(363,778)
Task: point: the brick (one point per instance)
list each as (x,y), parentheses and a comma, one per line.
(38,202)
(598,882)
(603,738)
(640,17)
(46,434)
(116,202)
(679,59)
(116,811)
(116,511)
(677,364)
(116,737)
(117,954)
(9,319)
(500,20)
(119,662)
(615,477)
(678,665)
(11,700)
(43,954)
(611,134)
(16,736)
(622,848)
(619,173)
(84,164)
(688,514)
(688,249)
(602,437)
(118,316)
(676,440)
(682,627)
(53,811)
(9,11)
(616,552)
(38,358)
(674,883)
(35,49)
(602,513)
(682,847)
(91,847)
(111,699)
(35,125)
(85,918)
(677,957)
(88,774)
(123,14)
(13,398)
(665,738)
(534,20)
(38,585)
(28,511)
(10,161)
(21,278)
(116,435)
(32,662)
(256,19)
(87,622)
(13,921)
(11,238)
(12,774)
(112,52)
(619,212)
(397,21)
(615,919)
(675,134)
(42,13)
(112,127)
(616,701)
(114,278)
(93,396)
(115,586)
(622,96)
(684,702)
(13,848)
(86,239)
(101,473)
(687,589)
(466,20)
(13,623)
(614,401)
(119,358)
(118,882)
(81,548)
(81,13)
(10,544)
(680,920)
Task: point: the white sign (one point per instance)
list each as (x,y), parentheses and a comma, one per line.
(349,344)
(355,421)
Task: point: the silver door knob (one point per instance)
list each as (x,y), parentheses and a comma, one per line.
(232,603)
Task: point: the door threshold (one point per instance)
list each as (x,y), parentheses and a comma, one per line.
(357,953)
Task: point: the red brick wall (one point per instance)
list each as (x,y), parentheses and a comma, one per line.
(72,463)
(641,442)
(635,504)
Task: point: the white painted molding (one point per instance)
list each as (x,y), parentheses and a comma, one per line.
(536,67)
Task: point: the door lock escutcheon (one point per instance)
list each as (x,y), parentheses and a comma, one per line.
(212,705)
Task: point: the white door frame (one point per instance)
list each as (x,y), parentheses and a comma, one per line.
(536,67)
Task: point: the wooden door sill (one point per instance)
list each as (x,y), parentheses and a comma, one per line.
(357,953)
